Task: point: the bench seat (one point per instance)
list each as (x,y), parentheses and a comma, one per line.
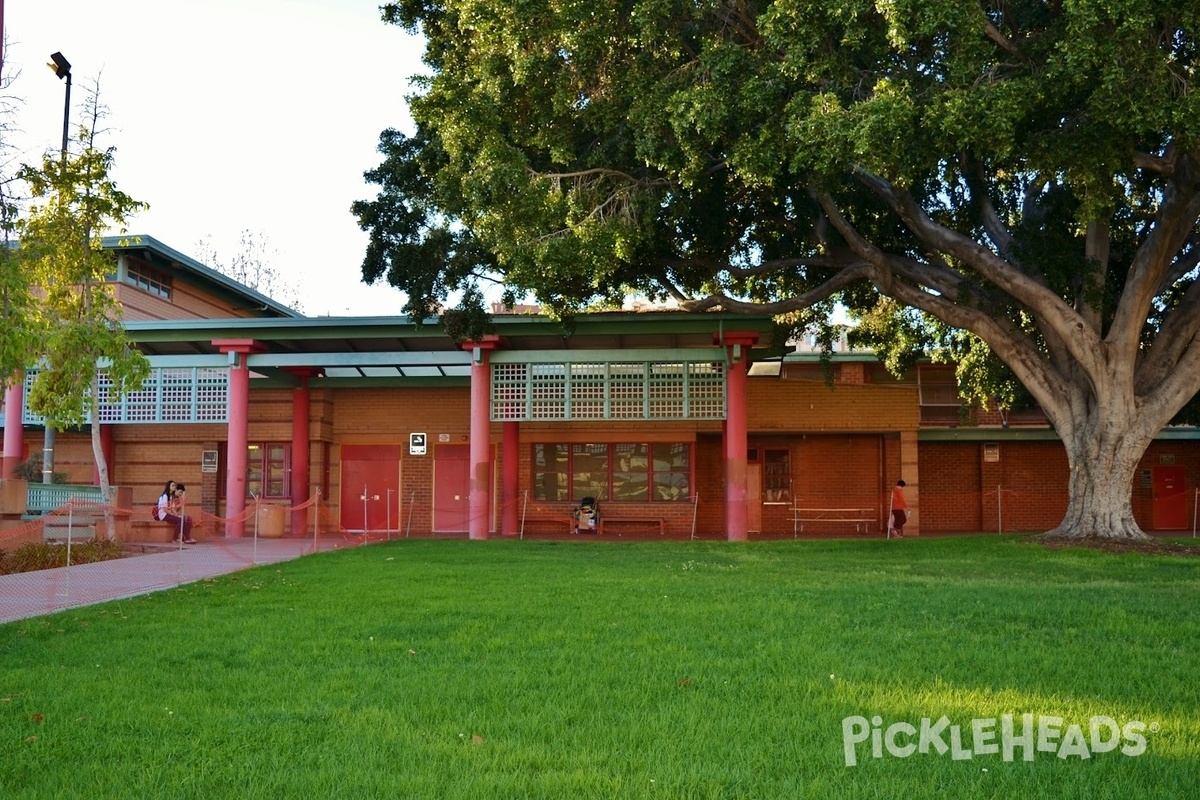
(639,523)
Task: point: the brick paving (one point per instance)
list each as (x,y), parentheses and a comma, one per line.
(30,594)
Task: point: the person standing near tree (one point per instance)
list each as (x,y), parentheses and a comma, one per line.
(899,509)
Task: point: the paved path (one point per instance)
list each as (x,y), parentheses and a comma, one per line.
(30,594)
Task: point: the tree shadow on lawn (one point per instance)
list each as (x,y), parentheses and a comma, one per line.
(1150,547)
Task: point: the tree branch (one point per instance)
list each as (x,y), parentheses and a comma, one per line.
(1174,338)
(1067,323)
(799,302)
(714,267)
(999,38)
(1174,223)
(1153,163)
(995,227)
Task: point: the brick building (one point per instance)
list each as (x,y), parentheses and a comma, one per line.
(675,422)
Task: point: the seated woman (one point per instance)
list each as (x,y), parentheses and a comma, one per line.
(587,516)
(170,509)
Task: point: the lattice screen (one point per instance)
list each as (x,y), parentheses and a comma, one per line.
(608,390)
(187,394)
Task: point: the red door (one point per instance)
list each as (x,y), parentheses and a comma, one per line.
(370,486)
(1170,498)
(451,487)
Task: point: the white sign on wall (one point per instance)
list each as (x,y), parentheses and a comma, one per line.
(416,444)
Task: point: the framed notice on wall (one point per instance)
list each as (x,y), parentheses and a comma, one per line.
(208,461)
(991,452)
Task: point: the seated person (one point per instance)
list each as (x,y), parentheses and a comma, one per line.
(170,509)
(587,516)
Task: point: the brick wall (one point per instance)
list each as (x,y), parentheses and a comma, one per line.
(788,405)
(847,445)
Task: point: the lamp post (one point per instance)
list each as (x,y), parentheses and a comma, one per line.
(62,68)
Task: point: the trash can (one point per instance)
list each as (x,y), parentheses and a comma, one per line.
(271,521)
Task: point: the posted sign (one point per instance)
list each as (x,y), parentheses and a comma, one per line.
(416,444)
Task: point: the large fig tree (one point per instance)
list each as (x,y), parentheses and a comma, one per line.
(1027,172)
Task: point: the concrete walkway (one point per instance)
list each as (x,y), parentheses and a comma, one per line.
(31,594)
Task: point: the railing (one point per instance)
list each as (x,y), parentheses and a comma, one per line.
(45,497)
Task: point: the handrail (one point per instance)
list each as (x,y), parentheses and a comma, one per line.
(42,498)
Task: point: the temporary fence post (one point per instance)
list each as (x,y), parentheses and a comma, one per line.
(695,507)
(256,515)
(70,525)
(524,508)
(999,511)
(888,521)
(388,511)
(316,516)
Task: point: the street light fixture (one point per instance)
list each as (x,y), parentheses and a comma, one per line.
(62,68)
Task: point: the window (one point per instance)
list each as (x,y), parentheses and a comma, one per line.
(938,388)
(268,470)
(148,279)
(267,467)
(777,476)
(630,472)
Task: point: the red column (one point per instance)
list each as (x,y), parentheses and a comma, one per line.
(480,485)
(738,349)
(238,436)
(510,516)
(300,452)
(14,433)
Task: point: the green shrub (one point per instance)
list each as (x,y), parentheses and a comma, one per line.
(46,555)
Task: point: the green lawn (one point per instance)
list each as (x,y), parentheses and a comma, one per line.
(455,669)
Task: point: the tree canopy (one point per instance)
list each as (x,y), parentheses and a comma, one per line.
(1025,174)
(72,332)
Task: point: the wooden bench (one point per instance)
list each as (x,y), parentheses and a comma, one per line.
(642,522)
(549,516)
(860,517)
(152,530)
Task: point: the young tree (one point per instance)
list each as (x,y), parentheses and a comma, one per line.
(73,202)
(18,310)
(1028,173)
(252,266)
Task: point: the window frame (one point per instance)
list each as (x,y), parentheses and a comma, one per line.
(149,279)
(568,488)
(264,448)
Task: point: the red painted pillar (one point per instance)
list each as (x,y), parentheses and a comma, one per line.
(300,452)
(238,435)
(736,434)
(510,483)
(14,433)
(480,466)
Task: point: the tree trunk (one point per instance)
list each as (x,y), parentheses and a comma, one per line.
(1103,457)
(108,497)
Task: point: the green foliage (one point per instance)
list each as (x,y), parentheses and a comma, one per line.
(31,470)
(1025,178)
(580,151)
(73,201)
(32,556)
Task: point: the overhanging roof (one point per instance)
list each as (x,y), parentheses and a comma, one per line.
(399,351)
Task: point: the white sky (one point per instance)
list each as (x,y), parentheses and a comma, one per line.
(230,115)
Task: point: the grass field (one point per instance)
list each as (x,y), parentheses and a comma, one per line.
(455,669)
